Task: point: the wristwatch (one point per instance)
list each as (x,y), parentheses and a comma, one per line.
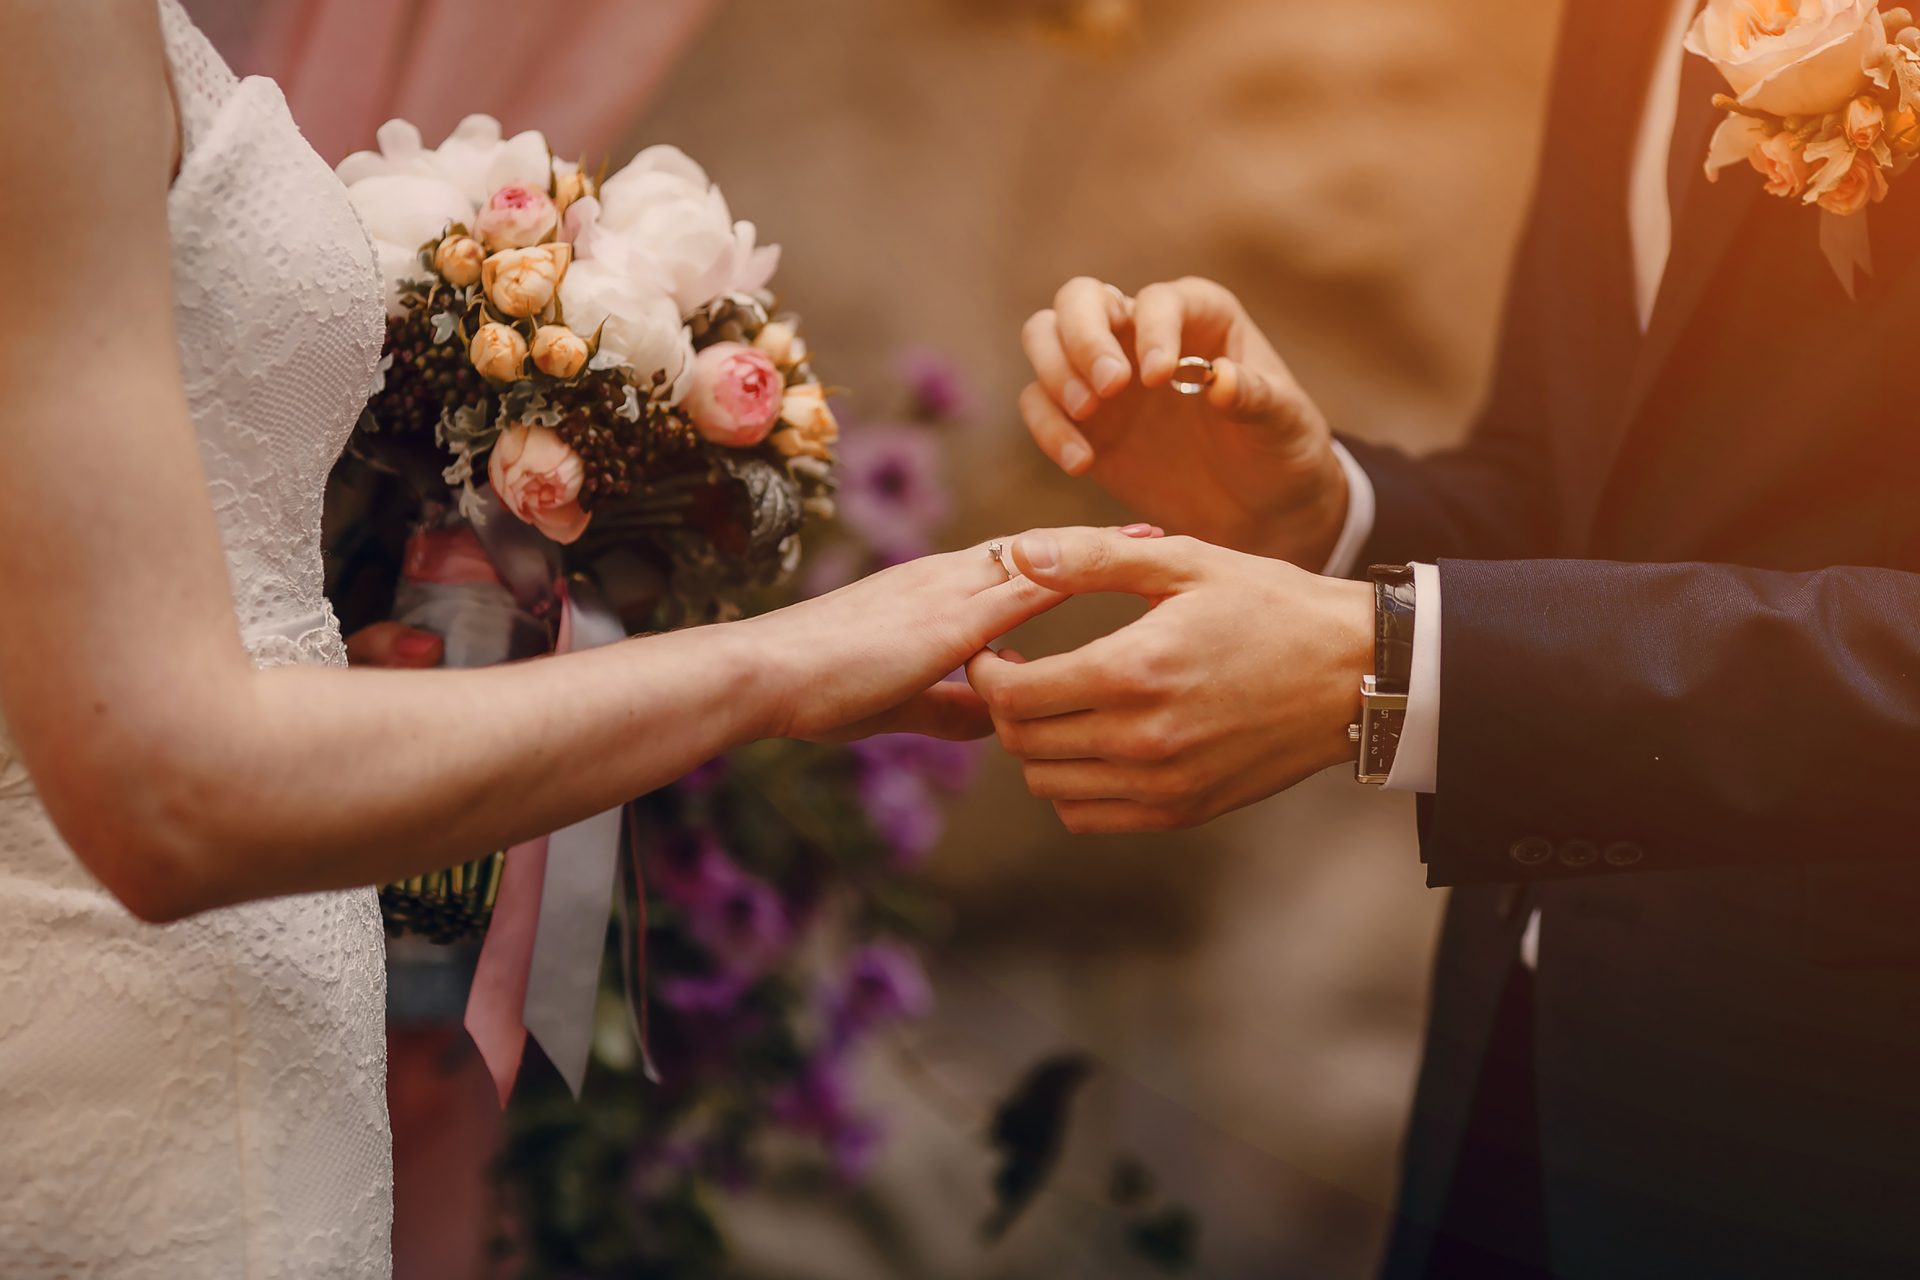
(1383,695)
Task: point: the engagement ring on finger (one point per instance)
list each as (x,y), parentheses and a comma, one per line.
(998,550)
(1192,375)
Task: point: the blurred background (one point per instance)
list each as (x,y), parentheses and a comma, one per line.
(1253,992)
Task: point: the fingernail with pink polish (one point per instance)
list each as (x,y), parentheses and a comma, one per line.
(1137,530)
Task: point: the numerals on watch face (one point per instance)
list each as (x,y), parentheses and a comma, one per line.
(1383,738)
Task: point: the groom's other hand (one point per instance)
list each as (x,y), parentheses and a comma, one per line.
(1240,681)
(1247,464)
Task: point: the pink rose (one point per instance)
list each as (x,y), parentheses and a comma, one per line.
(736,394)
(1863,184)
(538,479)
(1782,161)
(514,217)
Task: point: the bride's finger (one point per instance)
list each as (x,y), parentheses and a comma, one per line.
(1040,339)
(1088,314)
(1051,429)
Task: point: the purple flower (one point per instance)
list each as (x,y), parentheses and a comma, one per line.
(938,392)
(890,489)
(818,1103)
(742,923)
(710,995)
(951,766)
(905,811)
(884,983)
(687,867)
(702,777)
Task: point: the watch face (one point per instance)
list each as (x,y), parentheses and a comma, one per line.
(1382,728)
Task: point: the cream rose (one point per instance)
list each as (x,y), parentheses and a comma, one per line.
(807,425)
(1863,122)
(538,479)
(639,325)
(522,282)
(1790,57)
(498,352)
(558,351)
(458,259)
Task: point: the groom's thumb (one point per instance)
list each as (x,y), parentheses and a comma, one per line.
(1083,560)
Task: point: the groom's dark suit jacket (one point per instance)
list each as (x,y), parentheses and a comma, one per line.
(1680,713)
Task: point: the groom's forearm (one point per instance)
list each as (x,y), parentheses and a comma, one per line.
(1606,718)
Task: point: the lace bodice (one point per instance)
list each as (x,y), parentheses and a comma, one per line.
(207,1099)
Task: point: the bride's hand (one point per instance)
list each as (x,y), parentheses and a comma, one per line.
(872,656)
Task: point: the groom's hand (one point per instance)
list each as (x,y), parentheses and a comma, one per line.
(1247,464)
(1238,683)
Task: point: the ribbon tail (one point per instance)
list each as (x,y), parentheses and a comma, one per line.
(563,981)
(1848,248)
(497,1002)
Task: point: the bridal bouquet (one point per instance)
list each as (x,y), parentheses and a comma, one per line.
(607,427)
(595,358)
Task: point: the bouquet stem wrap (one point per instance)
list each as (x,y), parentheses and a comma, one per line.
(539,968)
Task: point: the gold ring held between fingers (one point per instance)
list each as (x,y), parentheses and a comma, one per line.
(1193,375)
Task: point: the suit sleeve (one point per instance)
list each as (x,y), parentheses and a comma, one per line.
(1609,718)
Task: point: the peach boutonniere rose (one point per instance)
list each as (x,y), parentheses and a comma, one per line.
(1821,103)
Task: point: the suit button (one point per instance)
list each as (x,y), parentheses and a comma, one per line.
(1579,853)
(1531,851)
(1623,853)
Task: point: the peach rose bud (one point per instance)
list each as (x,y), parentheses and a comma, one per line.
(1903,131)
(558,351)
(498,352)
(782,343)
(538,479)
(1864,184)
(514,217)
(522,282)
(1863,122)
(735,397)
(567,188)
(808,428)
(458,260)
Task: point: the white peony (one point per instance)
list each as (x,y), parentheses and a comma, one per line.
(664,222)
(402,212)
(643,326)
(475,157)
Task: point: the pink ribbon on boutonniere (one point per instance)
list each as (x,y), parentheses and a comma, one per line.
(539,967)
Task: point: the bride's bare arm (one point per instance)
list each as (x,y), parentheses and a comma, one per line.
(181,776)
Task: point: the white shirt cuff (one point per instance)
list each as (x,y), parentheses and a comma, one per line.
(1417,764)
(1359,524)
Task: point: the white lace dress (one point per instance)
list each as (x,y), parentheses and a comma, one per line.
(207,1099)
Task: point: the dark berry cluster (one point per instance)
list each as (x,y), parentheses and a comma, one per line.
(424,376)
(618,454)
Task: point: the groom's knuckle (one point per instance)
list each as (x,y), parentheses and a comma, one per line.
(1038,326)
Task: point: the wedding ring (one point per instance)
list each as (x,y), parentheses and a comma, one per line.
(998,550)
(1192,375)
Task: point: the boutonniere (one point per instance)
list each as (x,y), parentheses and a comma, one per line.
(1824,105)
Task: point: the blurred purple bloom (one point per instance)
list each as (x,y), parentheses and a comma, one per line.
(711,995)
(891,489)
(819,1103)
(703,776)
(884,983)
(935,385)
(950,766)
(904,810)
(687,867)
(742,922)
